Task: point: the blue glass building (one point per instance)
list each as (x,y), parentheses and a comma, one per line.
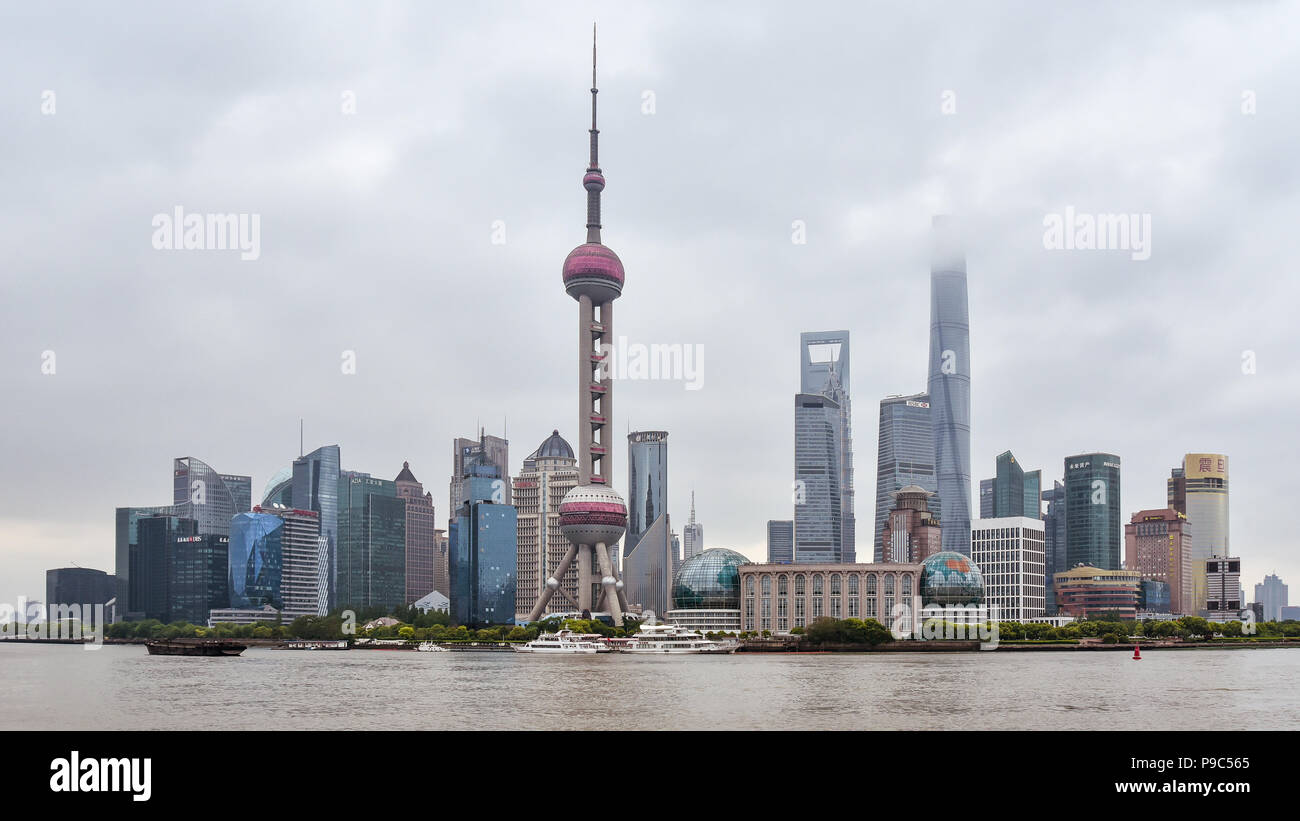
(484,551)
(256,560)
(949,385)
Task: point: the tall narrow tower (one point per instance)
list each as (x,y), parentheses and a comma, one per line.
(592,515)
(949,384)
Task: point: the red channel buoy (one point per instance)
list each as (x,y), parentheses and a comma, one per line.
(1137,653)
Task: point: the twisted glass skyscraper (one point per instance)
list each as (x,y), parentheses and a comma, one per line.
(949,384)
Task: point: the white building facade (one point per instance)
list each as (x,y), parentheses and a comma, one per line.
(1009,553)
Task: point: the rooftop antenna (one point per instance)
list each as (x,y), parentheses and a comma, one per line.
(300,447)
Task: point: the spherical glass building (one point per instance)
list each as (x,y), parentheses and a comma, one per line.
(950,578)
(706,591)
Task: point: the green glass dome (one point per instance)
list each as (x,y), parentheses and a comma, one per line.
(709,581)
(951,578)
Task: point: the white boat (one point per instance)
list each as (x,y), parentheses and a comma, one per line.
(565,641)
(662,639)
(430,647)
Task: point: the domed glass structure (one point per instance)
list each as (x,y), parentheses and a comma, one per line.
(709,581)
(950,578)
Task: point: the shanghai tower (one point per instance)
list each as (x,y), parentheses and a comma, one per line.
(949,383)
(593,516)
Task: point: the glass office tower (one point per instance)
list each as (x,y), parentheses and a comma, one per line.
(647,483)
(315,486)
(949,384)
(824,369)
(905,456)
(485,552)
(817,512)
(1093,527)
(780,541)
(371,542)
(213,497)
(1053,541)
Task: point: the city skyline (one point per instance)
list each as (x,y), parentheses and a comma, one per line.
(865,234)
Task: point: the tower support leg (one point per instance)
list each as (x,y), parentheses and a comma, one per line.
(545,598)
(608,580)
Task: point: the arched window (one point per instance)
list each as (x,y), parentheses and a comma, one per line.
(799,584)
(782,585)
(853,584)
(835,584)
(749,586)
(817,584)
(907,585)
(871,584)
(767,585)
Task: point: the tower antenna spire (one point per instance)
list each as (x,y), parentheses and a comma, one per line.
(594,181)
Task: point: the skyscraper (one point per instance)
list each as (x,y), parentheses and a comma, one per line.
(1199,490)
(548,474)
(1033,505)
(371,542)
(949,384)
(818,532)
(824,369)
(1272,594)
(200,494)
(84,588)
(1013,492)
(647,483)
(316,487)
(1158,544)
(780,541)
(986,498)
(180,573)
(692,535)
(905,456)
(593,516)
(495,450)
(213,497)
(420,543)
(647,548)
(1053,541)
(1093,532)
(484,556)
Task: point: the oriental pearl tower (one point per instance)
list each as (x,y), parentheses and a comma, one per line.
(593,516)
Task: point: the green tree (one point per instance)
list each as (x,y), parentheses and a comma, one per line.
(1196,626)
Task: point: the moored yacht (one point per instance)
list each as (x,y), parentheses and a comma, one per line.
(565,641)
(660,639)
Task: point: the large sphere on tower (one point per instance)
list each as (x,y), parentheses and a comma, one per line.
(592,514)
(593,270)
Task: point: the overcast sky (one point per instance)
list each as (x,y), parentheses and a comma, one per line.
(376,237)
